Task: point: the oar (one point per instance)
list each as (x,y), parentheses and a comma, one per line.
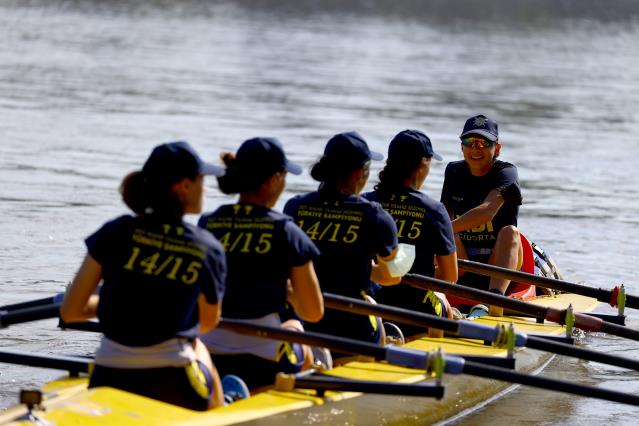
(33,303)
(472,330)
(34,313)
(424,361)
(72,364)
(583,321)
(321,383)
(413,359)
(602,295)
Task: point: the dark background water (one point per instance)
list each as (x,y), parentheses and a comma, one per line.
(87,88)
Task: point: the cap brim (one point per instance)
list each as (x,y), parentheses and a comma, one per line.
(294,168)
(377,156)
(481,132)
(212,170)
(437,157)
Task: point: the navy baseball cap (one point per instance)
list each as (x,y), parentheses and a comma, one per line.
(411,144)
(350,148)
(481,125)
(173,161)
(265,154)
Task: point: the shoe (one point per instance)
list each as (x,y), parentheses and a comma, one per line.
(394,334)
(478,311)
(234,389)
(456,314)
(322,358)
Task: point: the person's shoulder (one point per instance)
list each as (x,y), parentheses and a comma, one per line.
(276,216)
(296,200)
(201,236)
(501,165)
(123,221)
(370,196)
(456,167)
(215,212)
(503,168)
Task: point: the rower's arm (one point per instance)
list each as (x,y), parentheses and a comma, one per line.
(480,214)
(80,304)
(305,294)
(209,314)
(447,267)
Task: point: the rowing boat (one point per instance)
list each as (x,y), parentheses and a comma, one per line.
(68,401)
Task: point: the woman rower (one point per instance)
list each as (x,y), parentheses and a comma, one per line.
(349,231)
(163,282)
(265,250)
(421,222)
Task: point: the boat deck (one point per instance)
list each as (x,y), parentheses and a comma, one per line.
(69,402)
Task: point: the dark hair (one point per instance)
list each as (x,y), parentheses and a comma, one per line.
(145,197)
(237,180)
(395,172)
(330,170)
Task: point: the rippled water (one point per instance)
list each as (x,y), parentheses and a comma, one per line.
(88,87)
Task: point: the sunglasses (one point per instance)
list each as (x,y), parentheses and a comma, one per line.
(475,142)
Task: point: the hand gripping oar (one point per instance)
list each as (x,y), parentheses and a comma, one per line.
(560,316)
(470,330)
(615,297)
(420,360)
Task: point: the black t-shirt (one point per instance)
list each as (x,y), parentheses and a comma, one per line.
(349,231)
(261,247)
(153,272)
(462,191)
(421,222)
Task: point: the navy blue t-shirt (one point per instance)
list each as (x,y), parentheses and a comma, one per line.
(153,272)
(261,247)
(462,191)
(349,232)
(421,222)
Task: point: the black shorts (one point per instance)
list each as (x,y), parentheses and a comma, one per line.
(190,386)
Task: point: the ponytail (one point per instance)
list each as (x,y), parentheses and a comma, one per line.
(144,197)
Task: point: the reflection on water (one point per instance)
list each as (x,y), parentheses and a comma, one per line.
(87,88)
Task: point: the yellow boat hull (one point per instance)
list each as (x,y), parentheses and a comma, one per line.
(69,402)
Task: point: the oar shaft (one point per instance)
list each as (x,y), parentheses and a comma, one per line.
(56,362)
(600,294)
(434,284)
(333,343)
(405,316)
(35,313)
(31,303)
(523,277)
(549,384)
(335,384)
(581,353)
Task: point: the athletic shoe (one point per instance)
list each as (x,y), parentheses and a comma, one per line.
(394,334)
(478,311)
(234,389)
(322,358)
